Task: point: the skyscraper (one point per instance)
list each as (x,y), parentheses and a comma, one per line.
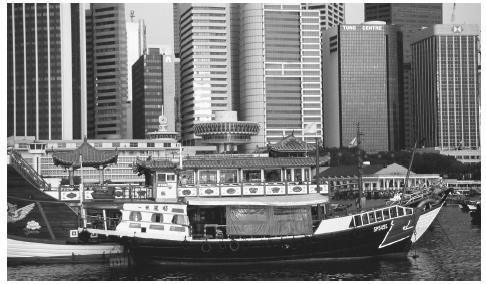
(153,92)
(361,79)
(410,17)
(446,86)
(46,93)
(280,71)
(106,55)
(332,14)
(205,64)
(136,46)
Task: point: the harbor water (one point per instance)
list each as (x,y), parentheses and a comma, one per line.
(450,250)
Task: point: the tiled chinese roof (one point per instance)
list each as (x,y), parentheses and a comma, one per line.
(91,156)
(291,144)
(234,163)
(350,171)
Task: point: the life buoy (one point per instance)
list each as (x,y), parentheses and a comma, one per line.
(234,246)
(206,247)
(185,244)
(221,245)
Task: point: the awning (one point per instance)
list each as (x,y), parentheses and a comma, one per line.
(285,200)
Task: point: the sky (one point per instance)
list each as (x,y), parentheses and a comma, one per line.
(158,18)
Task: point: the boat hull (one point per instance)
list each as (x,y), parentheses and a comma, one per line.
(382,238)
(424,221)
(20,251)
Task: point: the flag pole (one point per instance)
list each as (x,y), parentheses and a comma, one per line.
(360,168)
(81,191)
(317,163)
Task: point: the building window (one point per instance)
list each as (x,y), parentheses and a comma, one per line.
(150,144)
(133,144)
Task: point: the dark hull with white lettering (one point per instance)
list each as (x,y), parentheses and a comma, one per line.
(381,238)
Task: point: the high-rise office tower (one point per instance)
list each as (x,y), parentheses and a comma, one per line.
(153,92)
(332,14)
(446,86)
(410,17)
(280,71)
(205,64)
(361,79)
(106,56)
(136,46)
(46,91)
(176,17)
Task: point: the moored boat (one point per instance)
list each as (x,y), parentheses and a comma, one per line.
(256,209)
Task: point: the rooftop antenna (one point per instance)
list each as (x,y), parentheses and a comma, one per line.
(453,13)
(132,14)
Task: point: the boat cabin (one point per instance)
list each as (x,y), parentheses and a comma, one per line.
(230,176)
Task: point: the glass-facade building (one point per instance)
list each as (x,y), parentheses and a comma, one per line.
(362,83)
(206,59)
(280,71)
(46,78)
(107,74)
(410,17)
(153,92)
(445,60)
(332,14)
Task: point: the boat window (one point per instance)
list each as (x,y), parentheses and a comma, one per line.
(393,212)
(357,220)
(365,219)
(228,176)
(306,175)
(297,175)
(288,174)
(156,227)
(386,214)
(379,216)
(179,220)
(135,216)
(208,176)
(400,211)
(409,211)
(371,217)
(273,175)
(252,175)
(170,177)
(187,177)
(157,218)
(161,177)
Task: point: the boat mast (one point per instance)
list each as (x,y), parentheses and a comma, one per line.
(360,168)
(410,166)
(81,191)
(317,163)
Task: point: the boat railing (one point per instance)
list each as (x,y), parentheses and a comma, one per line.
(99,222)
(27,171)
(105,192)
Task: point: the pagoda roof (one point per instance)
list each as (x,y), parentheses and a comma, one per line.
(291,144)
(231,163)
(91,156)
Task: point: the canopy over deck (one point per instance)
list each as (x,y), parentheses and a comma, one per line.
(91,157)
(282,201)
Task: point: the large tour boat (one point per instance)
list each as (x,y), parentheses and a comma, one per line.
(234,209)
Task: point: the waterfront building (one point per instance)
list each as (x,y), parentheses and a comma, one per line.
(361,81)
(38,153)
(46,70)
(153,92)
(409,17)
(446,86)
(107,78)
(376,178)
(205,64)
(136,47)
(332,14)
(280,71)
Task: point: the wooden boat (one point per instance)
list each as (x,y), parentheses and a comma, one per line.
(232,210)
(42,229)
